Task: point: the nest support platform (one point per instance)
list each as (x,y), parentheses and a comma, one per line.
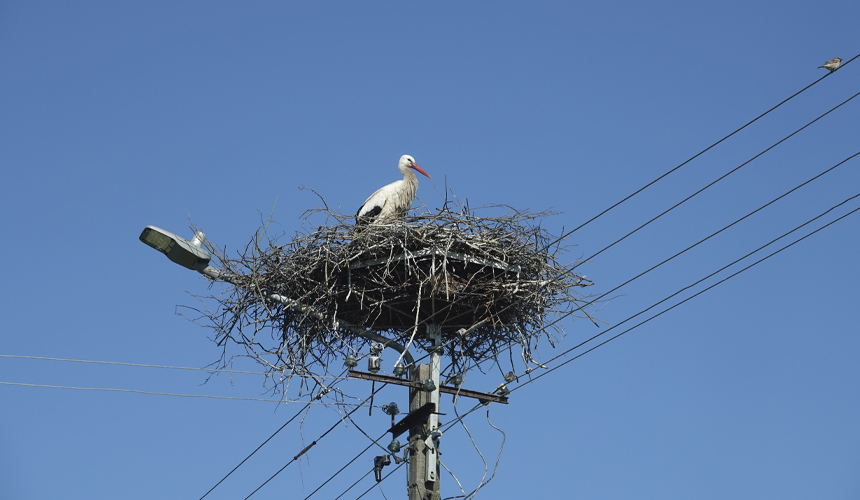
(452,269)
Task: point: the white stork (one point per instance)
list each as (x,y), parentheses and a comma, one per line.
(394,199)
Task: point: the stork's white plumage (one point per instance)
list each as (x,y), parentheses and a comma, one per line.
(394,199)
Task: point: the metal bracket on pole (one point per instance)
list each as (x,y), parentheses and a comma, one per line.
(434,334)
(432,450)
(414,418)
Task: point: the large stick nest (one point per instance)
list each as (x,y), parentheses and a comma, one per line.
(449,267)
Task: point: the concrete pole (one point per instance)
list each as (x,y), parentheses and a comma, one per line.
(416,485)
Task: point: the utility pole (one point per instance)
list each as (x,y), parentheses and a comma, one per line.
(416,484)
(422,422)
(422,482)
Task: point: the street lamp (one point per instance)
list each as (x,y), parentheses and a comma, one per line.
(188,254)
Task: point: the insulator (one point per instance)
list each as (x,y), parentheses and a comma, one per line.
(373,364)
(394,446)
(350,361)
(391,408)
(399,369)
(456,380)
(429,385)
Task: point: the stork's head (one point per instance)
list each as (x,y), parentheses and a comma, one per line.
(407,161)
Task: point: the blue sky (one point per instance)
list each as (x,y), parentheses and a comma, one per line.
(116,115)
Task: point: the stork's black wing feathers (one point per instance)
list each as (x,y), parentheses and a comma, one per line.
(367,216)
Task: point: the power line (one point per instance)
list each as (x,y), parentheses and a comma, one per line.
(148,392)
(151,393)
(256,450)
(375,442)
(461,417)
(338,378)
(713,182)
(209,370)
(692,158)
(353,484)
(694,194)
(658,264)
(561,317)
(443,428)
(380,482)
(362,452)
(706,238)
(701,291)
(565,315)
(127,364)
(305,450)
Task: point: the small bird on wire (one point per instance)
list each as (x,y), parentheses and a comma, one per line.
(510,377)
(832,64)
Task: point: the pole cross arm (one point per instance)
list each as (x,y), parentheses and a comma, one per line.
(483,397)
(414,418)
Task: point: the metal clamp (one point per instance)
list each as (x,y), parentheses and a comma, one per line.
(431,455)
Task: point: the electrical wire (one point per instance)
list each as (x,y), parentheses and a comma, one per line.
(380,482)
(147,392)
(473,493)
(443,428)
(698,293)
(379,485)
(362,452)
(682,201)
(565,235)
(594,218)
(264,442)
(210,370)
(353,484)
(475,445)
(455,479)
(501,447)
(373,441)
(712,183)
(461,417)
(295,458)
(256,450)
(564,315)
(733,223)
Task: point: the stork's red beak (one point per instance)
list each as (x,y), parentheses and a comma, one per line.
(416,167)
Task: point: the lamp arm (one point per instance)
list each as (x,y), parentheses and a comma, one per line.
(218,275)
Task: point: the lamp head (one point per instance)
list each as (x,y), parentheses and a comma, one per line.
(188,254)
